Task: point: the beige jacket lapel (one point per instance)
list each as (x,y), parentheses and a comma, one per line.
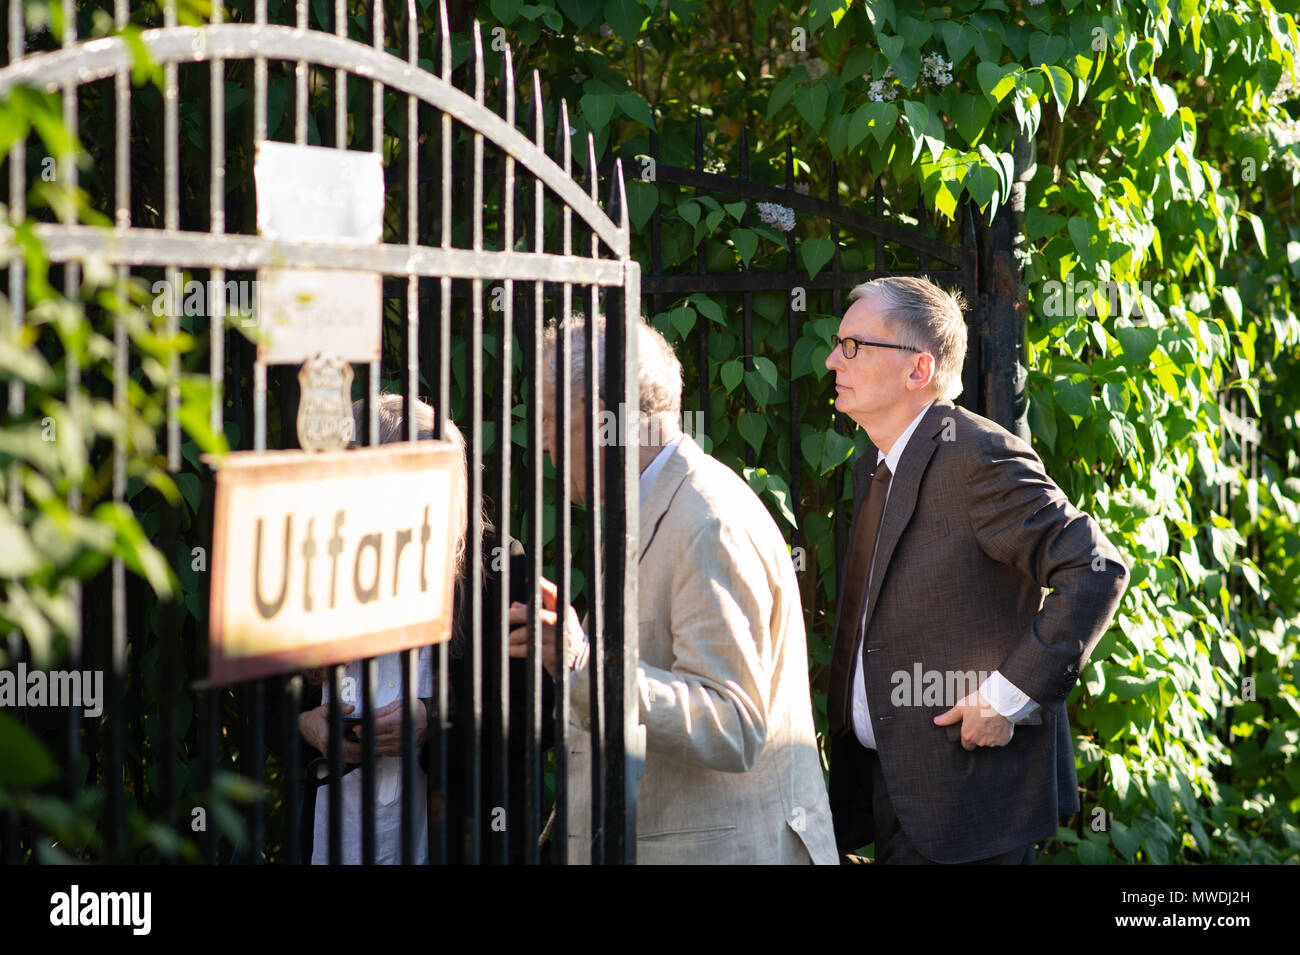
(665,488)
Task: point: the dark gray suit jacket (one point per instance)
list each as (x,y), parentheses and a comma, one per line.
(981,565)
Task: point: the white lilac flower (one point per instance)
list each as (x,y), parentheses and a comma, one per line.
(880,92)
(774,214)
(1035,3)
(936,69)
(816,68)
(606,30)
(716,166)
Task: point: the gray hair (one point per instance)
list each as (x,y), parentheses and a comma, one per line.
(927,318)
(659,373)
(392,429)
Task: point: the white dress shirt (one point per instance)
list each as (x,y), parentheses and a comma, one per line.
(1009,701)
(388,775)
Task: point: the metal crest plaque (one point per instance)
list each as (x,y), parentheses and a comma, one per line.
(325,408)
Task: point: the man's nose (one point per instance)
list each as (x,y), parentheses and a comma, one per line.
(834,359)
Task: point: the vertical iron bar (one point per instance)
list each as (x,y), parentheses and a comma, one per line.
(474,551)
(68,173)
(438,766)
(624,747)
(505,442)
(369,690)
(536,529)
(300,83)
(121,369)
(292,707)
(594,545)
(335,756)
(341,80)
(563,431)
(702,356)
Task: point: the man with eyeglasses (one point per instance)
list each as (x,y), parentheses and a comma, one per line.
(970,599)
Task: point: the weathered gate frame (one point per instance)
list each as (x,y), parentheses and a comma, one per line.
(614,638)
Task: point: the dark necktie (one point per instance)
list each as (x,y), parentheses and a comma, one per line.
(855,580)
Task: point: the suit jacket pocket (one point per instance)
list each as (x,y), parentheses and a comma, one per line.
(929,532)
(953,731)
(689,836)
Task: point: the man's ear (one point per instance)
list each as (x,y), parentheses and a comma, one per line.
(918,378)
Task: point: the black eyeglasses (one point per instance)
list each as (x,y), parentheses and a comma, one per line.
(844,343)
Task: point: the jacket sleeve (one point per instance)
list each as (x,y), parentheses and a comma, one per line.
(1020,517)
(709,709)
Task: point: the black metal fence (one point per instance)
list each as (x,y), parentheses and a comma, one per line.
(171,745)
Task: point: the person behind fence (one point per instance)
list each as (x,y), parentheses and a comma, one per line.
(972,595)
(732,773)
(314,723)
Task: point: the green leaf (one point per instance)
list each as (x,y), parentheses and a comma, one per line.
(506,10)
(971,114)
(1257,226)
(708,308)
(908,66)
(1039,222)
(683,320)
(690,212)
(753,428)
(581,12)
(625,18)
(1074,397)
(836,449)
(746,243)
(766,369)
(996,81)
(1080,232)
(810,101)
(18,557)
(1062,87)
(958,40)
(1136,343)
(917,118)
(881,118)
(642,200)
(891,46)
(636,108)
(1042,418)
(815,254)
(1045,49)
(779,492)
(732,373)
(26,763)
(598,108)
(982,183)
(1232,300)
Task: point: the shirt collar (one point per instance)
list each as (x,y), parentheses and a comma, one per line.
(651,472)
(896,452)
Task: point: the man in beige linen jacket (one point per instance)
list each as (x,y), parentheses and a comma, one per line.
(732,773)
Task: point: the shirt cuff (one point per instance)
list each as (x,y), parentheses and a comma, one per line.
(581,661)
(1005,697)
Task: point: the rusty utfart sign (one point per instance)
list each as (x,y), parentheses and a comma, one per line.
(330,557)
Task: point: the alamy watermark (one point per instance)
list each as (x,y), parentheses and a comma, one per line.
(921,687)
(616,429)
(238,298)
(1060,299)
(61,688)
